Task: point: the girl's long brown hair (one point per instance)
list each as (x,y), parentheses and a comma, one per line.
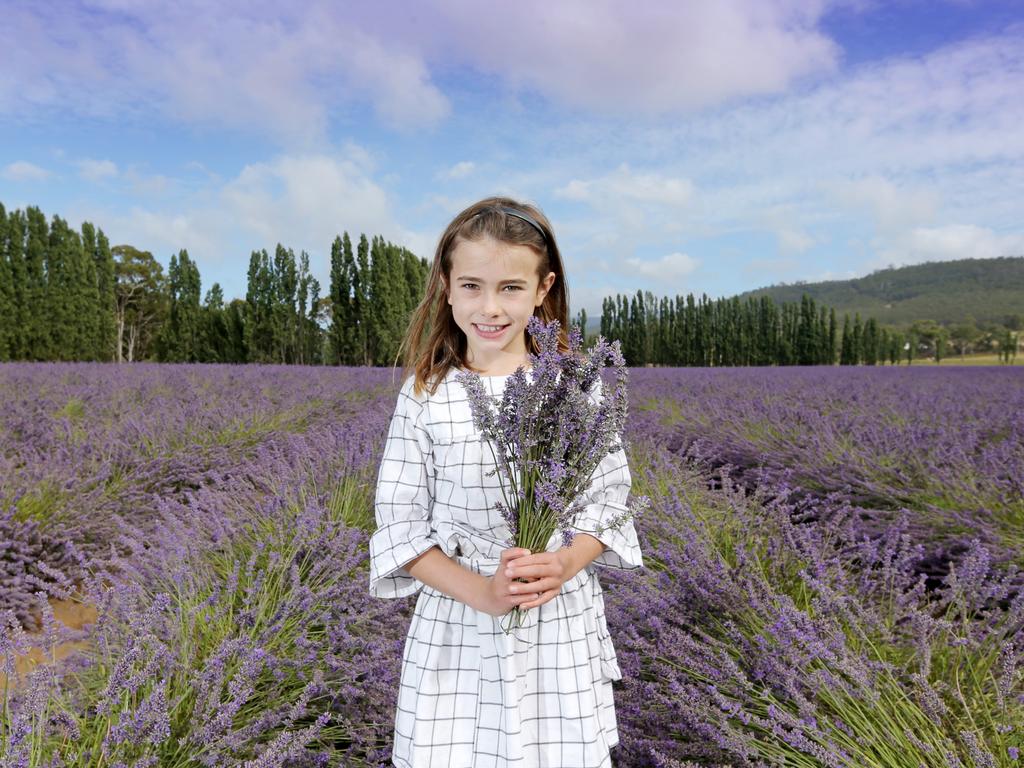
(433,343)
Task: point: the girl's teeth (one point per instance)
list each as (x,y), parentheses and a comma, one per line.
(489,328)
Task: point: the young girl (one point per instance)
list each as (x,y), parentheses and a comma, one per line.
(471,695)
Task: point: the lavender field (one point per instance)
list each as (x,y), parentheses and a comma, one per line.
(835,567)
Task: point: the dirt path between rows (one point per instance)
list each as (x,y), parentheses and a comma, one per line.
(70,613)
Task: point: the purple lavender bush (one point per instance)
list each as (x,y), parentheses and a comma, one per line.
(833,568)
(234,627)
(758,643)
(769,585)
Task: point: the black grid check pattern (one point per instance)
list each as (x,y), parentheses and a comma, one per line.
(471,696)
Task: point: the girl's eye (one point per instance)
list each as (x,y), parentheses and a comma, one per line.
(469,285)
(514,287)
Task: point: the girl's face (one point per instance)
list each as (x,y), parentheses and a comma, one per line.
(493,289)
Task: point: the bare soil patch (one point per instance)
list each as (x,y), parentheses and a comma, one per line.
(73,614)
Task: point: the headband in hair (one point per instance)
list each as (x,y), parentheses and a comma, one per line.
(525,217)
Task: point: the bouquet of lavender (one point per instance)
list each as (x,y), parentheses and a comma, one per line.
(548,435)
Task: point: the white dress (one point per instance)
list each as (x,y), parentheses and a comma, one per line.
(470,695)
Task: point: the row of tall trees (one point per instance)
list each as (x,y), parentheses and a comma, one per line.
(373,293)
(724,332)
(57,289)
(68,295)
(282,318)
(686,331)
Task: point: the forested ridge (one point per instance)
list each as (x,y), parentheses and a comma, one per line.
(67,294)
(948,292)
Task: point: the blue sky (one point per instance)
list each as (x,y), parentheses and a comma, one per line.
(677,147)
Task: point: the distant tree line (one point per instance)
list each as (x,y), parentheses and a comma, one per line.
(685,331)
(57,292)
(69,295)
(66,294)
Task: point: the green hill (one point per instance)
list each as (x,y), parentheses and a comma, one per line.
(989,290)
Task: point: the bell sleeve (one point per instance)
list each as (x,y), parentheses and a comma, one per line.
(604,499)
(403,500)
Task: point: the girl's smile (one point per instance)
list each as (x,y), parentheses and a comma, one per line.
(490,331)
(493,289)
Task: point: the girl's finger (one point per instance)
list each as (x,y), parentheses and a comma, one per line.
(538,585)
(535,569)
(538,600)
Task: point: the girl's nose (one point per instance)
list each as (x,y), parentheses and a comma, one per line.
(491,304)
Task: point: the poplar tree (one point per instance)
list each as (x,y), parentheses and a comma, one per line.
(259,300)
(388,301)
(37,330)
(235,318)
(856,350)
(846,348)
(180,337)
(869,342)
(106,295)
(62,308)
(804,344)
(308,307)
(883,345)
(822,355)
(86,297)
(830,357)
(283,313)
(607,308)
(17,231)
(7,300)
(340,295)
(213,342)
(360,303)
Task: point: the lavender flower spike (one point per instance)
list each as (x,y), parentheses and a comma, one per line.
(548,434)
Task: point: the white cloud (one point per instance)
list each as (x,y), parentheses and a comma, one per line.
(624,185)
(618,58)
(22,170)
(773,268)
(634,210)
(149,184)
(898,156)
(458,171)
(952,241)
(794,240)
(163,233)
(96,170)
(291,69)
(893,207)
(243,66)
(672,266)
(302,201)
(305,200)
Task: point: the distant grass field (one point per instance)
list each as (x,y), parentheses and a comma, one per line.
(991,359)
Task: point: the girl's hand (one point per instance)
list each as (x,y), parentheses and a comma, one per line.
(546,572)
(499,596)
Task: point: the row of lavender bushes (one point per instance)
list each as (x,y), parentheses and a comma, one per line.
(837,569)
(229,570)
(789,615)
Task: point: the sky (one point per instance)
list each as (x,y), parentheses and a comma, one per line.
(677,147)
